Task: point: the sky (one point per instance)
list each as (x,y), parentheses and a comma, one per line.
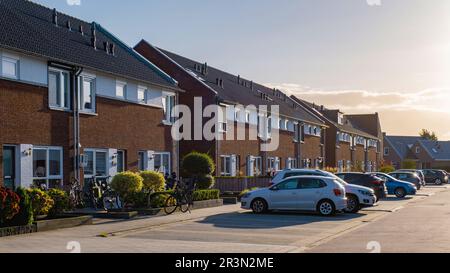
(361,56)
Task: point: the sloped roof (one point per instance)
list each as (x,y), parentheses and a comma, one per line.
(438,150)
(28,27)
(403,144)
(237,90)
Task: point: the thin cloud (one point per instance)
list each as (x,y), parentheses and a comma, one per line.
(73,2)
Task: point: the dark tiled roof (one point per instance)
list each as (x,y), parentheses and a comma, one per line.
(348,126)
(403,144)
(28,27)
(237,90)
(438,150)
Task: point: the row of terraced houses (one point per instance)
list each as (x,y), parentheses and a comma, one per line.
(76,102)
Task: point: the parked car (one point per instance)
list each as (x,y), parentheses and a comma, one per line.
(419,173)
(324,195)
(366,180)
(358,196)
(396,187)
(437,177)
(411,177)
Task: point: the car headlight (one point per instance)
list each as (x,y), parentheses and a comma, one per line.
(367,193)
(247,195)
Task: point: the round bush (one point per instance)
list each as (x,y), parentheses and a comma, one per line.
(197,164)
(158,200)
(153,181)
(9,205)
(127,183)
(205,182)
(61,200)
(387,169)
(41,202)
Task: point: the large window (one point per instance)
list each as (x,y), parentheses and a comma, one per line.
(254,166)
(291,163)
(121,89)
(87,94)
(162,163)
(10,67)
(59,89)
(273,164)
(48,167)
(97,164)
(169,104)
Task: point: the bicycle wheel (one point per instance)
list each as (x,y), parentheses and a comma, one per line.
(171,205)
(184,205)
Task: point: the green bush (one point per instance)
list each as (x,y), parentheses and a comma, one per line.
(158,200)
(126,184)
(138,199)
(205,182)
(203,195)
(197,164)
(153,181)
(409,164)
(25,215)
(41,202)
(61,199)
(387,169)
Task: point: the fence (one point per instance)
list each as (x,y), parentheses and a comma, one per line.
(239,184)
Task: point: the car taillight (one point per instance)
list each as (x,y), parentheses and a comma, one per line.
(338,192)
(377,182)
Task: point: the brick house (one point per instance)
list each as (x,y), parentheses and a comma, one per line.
(300,131)
(76,102)
(426,154)
(353,142)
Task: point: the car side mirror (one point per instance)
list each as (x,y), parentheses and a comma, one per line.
(274,188)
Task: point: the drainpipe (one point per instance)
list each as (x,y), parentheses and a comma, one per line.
(76,124)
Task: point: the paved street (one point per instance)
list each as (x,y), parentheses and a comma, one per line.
(413,225)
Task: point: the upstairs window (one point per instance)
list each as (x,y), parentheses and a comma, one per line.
(142,95)
(10,67)
(386,151)
(169,104)
(87,94)
(59,89)
(121,89)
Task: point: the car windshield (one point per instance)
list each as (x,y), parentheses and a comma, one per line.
(338,179)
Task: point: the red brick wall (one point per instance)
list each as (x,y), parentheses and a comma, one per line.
(359,154)
(311,148)
(344,152)
(26,119)
(287,148)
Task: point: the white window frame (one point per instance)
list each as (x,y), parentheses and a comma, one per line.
(223,165)
(291,163)
(47,165)
(247,117)
(144,91)
(61,89)
(123,85)
(94,163)
(92,81)
(162,154)
(12,60)
(167,105)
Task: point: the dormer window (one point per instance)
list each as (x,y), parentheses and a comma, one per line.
(341,118)
(417,150)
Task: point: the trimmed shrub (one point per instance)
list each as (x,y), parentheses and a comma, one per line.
(205,182)
(25,215)
(127,183)
(387,169)
(203,195)
(409,164)
(197,164)
(138,199)
(9,205)
(61,202)
(41,202)
(153,181)
(158,200)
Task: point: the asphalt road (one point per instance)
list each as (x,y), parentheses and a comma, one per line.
(413,225)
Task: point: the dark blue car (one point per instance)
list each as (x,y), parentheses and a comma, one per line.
(396,187)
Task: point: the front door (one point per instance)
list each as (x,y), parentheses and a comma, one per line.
(9,170)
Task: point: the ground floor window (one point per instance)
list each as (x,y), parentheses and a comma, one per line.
(254,166)
(48,167)
(162,163)
(229,165)
(340,166)
(141,161)
(291,163)
(121,161)
(273,164)
(306,163)
(349,166)
(97,164)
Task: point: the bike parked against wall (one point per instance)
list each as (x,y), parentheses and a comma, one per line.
(181,198)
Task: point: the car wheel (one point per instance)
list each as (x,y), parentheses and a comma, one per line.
(352,204)
(326,208)
(400,192)
(438,182)
(259,206)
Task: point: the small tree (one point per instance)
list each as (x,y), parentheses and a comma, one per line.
(126,184)
(387,169)
(199,167)
(428,135)
(409,164)
(153,181)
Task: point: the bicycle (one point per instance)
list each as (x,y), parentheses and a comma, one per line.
(110,199)
(181,198)
(76,198)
